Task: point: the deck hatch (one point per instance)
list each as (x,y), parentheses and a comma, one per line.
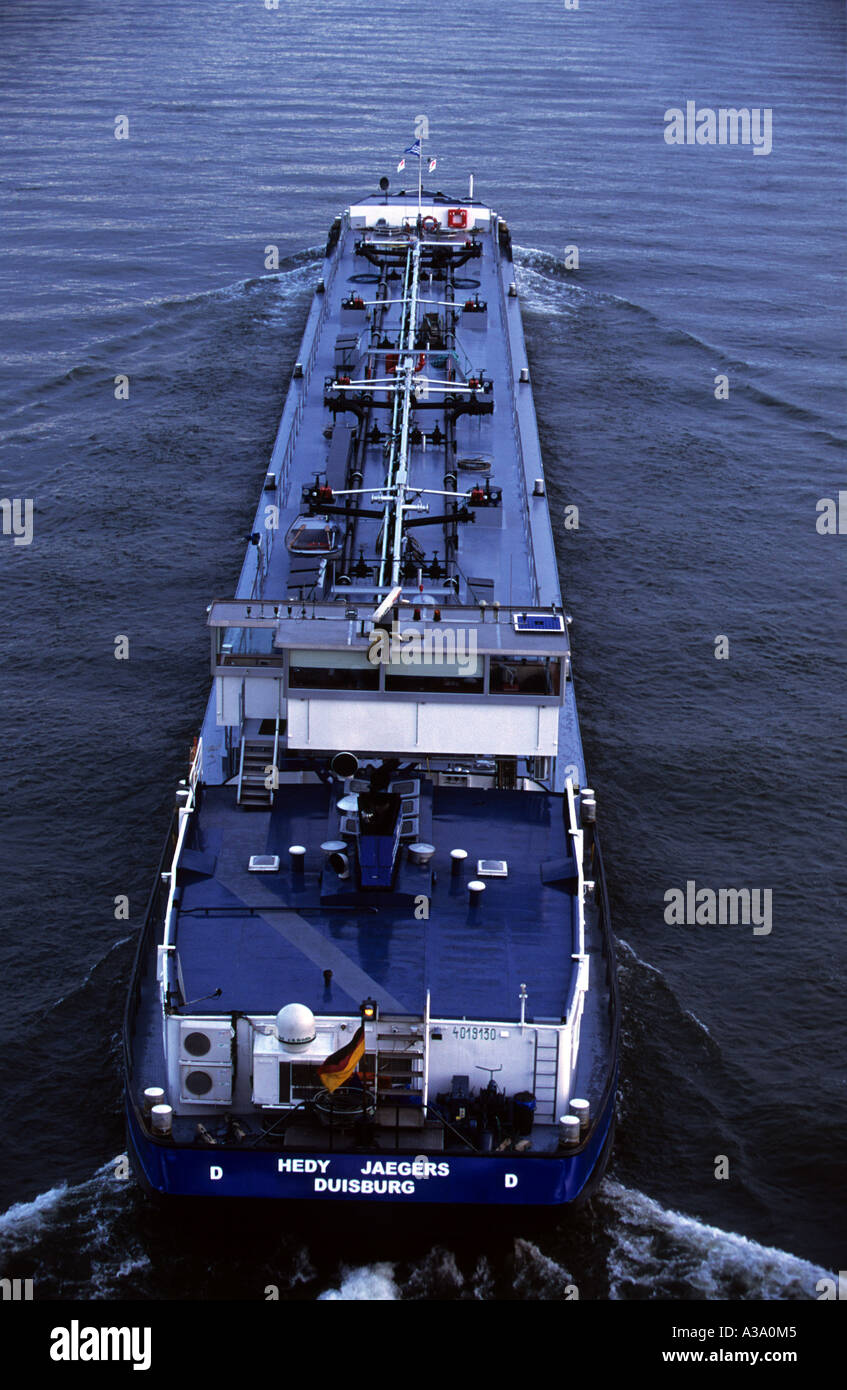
(263,864)
(492,868)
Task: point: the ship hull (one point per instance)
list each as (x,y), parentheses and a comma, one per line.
(318,914)
(293,1178)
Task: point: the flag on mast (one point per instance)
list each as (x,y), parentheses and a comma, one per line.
(340,1066)
(401,166)
(414,150)
(431,165)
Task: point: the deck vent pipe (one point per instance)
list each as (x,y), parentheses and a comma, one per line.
(298,371)
(340,863)
(569,1130)
(457,861)
(513,291)
(298,857)
(538,488)
(524,376)
(421,853)
(476,888)
(582,1110)
(161,1119)
(153,1095)
(588,806)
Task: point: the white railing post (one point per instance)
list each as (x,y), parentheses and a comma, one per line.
(426,1055)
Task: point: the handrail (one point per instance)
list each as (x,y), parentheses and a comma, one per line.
(333,610)
(578,985)
(241,765)
(151,918)
(426,1053)
(196,770)
(294,428)
(274,774)
(518,445)
(184,814)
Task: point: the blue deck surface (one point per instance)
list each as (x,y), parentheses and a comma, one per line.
(473,960)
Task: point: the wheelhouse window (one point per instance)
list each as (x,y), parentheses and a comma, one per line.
(342,670)
(524,675)
(428,673)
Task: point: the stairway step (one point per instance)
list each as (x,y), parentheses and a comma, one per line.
(389,1116)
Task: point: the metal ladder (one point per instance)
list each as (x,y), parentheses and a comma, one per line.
(545,1074)
(256,755)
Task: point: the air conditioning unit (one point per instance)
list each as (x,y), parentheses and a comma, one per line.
(205,1083)
(266,1066)
(406,787)
(202,1041)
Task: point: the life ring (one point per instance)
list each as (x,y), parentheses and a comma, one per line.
(457,217)
(430,224)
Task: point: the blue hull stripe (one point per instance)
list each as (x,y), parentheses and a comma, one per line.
(509,1180)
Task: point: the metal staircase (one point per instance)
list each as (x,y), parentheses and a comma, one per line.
(545,1075)
(257,755)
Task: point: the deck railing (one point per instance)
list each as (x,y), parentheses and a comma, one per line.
(579,979)
(153,918)
(168,979)
(516,433)
(281,464)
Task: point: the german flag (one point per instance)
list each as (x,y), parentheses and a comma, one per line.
(340,1066)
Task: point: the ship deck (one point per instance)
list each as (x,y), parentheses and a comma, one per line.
(506,553)
(265,938)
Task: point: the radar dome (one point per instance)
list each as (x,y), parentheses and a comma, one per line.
(295,1027)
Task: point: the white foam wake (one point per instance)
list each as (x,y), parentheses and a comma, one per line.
(368,1284)
(670,1255)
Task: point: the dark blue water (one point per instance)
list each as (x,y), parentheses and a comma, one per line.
(250,127)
